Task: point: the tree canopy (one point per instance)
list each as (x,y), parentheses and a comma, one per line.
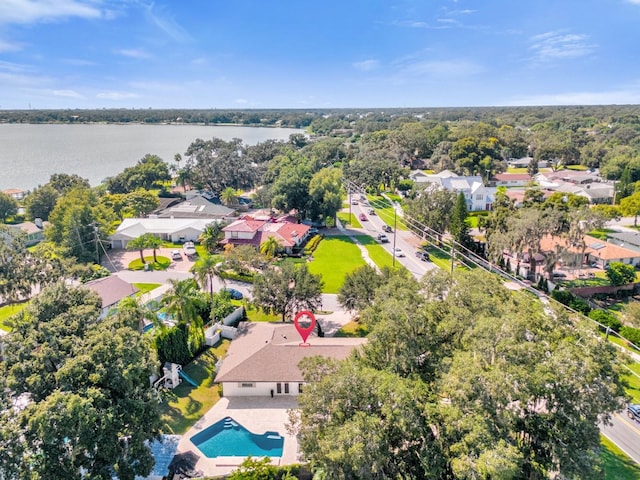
(461,379)
(89,410)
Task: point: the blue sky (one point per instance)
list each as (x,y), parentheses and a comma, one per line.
(298,54)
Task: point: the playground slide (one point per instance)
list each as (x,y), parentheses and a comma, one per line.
(187,378)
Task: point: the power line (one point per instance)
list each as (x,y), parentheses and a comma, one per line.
(468,255)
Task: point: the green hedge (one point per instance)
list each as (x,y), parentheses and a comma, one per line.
(631,334)
(237,276)
(312,244)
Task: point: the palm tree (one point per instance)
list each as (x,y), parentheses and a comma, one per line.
(270,247)
(229,196)
(138,244)
(210,236)
(153,242)
(205,269)
(181,303)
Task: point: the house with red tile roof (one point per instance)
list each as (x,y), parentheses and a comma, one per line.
(249,231)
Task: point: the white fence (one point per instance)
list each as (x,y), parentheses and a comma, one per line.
(223,329)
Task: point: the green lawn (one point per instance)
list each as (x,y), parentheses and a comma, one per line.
(352,329)
(616,465)
(385,211)
(9,311)
(145,287)
(255,314)
(601,233)
(376,251)
(162,263)
(185,405)
(333,259)
(442,260)
(346,221)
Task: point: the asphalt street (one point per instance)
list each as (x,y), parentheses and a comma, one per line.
(625,433)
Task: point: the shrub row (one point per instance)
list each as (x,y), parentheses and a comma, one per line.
(570,300)
(312,244)
(237,276)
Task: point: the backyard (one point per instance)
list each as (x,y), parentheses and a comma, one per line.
(185,405)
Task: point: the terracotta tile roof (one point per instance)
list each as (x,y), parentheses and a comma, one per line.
(263,352)
(595,247)
(244,226)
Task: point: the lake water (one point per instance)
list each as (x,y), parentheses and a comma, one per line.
(29,154)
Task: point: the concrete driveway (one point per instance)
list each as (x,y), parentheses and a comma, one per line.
(117,260)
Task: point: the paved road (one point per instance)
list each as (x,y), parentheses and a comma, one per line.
(404,240)
(625,433)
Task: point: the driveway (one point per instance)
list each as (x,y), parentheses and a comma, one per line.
(117,260)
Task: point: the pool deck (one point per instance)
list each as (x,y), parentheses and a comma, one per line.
(256,414)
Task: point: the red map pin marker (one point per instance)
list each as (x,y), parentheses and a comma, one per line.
(304,330)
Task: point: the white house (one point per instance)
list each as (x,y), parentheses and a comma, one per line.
(263,359)
(510,180)
(34,231)
(477,195)
(170,229)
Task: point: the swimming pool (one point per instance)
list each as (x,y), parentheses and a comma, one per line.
(227,438)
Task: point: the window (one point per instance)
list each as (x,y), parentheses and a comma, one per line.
(234,234)
(286,388)
(247,385)
(300,388)
(479,196)
(279,388)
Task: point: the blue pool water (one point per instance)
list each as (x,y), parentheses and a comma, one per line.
(227,438)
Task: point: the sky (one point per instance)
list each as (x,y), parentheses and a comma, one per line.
(245,54)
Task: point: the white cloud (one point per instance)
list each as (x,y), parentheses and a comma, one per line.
(67,94)
(242,101)
(635,2)
(367,65)
(552,46)
(440,68)
(30,11)
(116,95)
(9,46)
(166,23)
(133,53)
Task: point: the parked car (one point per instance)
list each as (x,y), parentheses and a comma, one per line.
(398,252)
(382,238)
(362,217)
(387,228)
(633,412)
(422,255)
(313,231)
(354,202)
(235,294)
(372,211)
(559,275)
(189,249)
(176,255)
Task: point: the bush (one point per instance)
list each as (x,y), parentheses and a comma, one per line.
(172,345)
(631,334)
(606,318)
(570,300)
(237,276)
(312,244)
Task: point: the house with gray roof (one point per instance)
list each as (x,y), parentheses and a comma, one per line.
(111,290)
(171,229)
(263,359)
(197,207)
(478,196)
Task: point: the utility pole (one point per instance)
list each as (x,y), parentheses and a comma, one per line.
(349,200)
(96,236)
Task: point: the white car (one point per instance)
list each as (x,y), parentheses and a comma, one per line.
(176,255)
(189,249)
(398,252)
